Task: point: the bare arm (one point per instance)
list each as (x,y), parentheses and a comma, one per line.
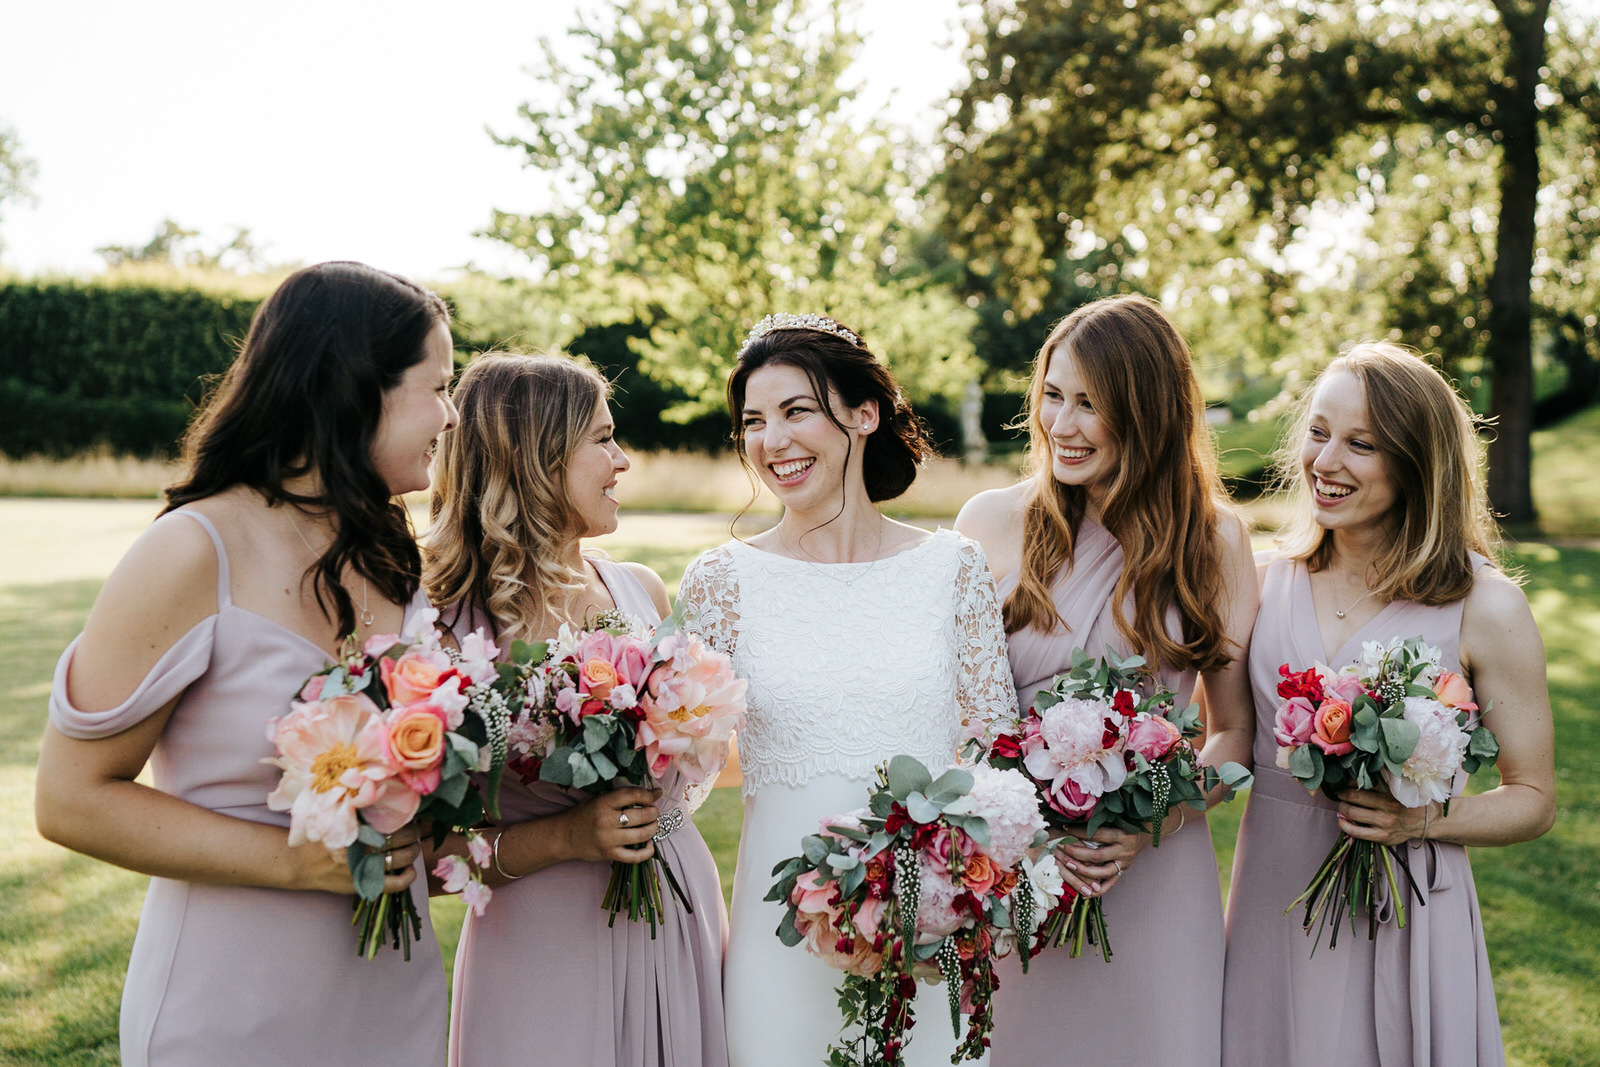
(85,794)
(1226,704)
(1503,657)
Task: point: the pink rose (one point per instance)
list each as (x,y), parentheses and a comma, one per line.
(416,745)
(1293,725)
(1071,799)
(415,675)
(1344,686)
(1331,728)
(1152,736)
(1453,691)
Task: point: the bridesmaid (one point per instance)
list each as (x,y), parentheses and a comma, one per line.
(240,590)
(529,473)
(1123,539)
(1389,538)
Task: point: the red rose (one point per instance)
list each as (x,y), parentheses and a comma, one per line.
(1005,747)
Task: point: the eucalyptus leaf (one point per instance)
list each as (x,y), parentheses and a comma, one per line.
(906,776)
(367,874)
(1484,744)
(451,790)
(815,848)
(1401,737)
(953,783)
(922,809)
(583,772)
(787,933)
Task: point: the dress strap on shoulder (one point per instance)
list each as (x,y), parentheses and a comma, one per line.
(224,582)
(626,590)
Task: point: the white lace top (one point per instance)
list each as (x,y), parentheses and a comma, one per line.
(851,663)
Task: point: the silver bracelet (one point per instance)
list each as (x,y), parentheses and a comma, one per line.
(494,859)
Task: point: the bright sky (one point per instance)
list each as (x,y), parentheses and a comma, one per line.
(332,129)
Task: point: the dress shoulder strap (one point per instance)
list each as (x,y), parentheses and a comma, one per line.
(628,592)
(224,582)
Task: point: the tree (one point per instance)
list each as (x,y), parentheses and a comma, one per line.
(1250,117)
(17,171)
(703,172)
(173,245)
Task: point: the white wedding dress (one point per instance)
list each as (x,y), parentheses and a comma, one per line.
(849,664)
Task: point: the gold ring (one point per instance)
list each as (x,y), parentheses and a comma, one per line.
(388,862)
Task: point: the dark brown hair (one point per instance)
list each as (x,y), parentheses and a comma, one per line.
(306,396)
(835,366)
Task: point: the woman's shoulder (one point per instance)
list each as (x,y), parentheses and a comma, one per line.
(651,582)
(993,519)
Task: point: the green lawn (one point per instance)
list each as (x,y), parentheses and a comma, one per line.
(66,922)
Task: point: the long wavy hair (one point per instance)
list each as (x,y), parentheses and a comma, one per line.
(1163,502)
(305,396)
(1428,437)
(501,517)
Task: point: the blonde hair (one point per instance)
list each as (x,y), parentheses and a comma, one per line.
(1163,503)
(501,518)
(1428,438)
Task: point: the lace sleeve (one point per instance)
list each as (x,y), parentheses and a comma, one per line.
(985,692)
(710,600)
(709,596)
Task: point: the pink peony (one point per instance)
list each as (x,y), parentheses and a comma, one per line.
(1152,736)
(1067,748)
(690,712)
(1429,773)
(336,763)
(937,914)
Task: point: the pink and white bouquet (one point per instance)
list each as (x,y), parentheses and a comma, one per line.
(1394,720)
(391,734)
(933,879)
(1099,754)
(617,704)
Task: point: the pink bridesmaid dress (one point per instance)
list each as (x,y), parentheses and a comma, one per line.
(1413,997)
(1159,999)
(542,978)
(247,976)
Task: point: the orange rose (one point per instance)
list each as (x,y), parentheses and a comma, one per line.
(599,676)
(412,677)
(1330,727)
(416,743)
(978,873)
(1453,691)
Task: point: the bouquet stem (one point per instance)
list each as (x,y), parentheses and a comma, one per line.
(390,917)
(1081,922)
(1349,879)
(636,887)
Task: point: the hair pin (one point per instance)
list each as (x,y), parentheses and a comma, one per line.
(786,321)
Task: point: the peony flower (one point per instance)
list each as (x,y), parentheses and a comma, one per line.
(1330,727)
(1453,691)
(336,762)
(690,713)
(1008,802)
(453,873)
(1152,736)
(1069,748)
(1429,773)
(937,913)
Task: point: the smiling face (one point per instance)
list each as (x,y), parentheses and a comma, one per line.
(415,412)
(1350,479)
(592,475)
(1083,451)
(795,448)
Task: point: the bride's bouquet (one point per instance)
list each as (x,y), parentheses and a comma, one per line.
(619,704)
(1099,754)
(933,879)
(393,732)
(1394,720)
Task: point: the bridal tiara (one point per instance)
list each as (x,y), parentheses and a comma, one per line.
(786,321)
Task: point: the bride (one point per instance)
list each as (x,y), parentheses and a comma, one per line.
(861,638)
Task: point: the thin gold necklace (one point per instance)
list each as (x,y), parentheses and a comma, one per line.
(366,618)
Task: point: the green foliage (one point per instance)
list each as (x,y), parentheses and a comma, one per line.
(704,175)
(17,171)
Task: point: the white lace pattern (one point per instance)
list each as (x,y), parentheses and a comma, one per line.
(852,663)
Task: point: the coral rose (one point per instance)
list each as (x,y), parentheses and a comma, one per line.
(1453,691)
(414,676)
(1330,729)
(417,744)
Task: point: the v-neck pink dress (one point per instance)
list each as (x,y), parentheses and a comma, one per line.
(1414,997)
(542,977)
(246,976)
(1159,999)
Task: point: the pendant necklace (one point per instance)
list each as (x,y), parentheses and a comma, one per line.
(366,618)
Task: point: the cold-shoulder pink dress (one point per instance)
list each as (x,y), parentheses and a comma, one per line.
(542,978)
(245,976)
(1413,997)
(1159,999)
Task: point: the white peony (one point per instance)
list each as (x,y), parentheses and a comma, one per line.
(1008,802)
(1073,733)
(1431,770)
